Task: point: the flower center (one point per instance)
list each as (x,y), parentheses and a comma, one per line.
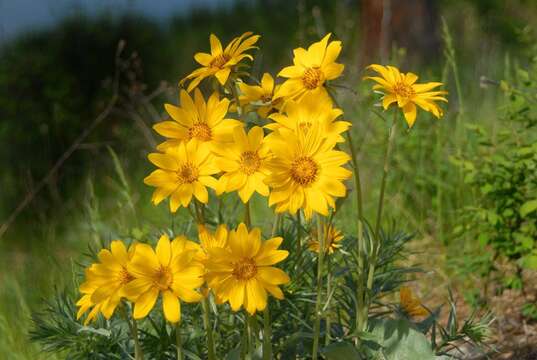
(163,278)
(305,126)
(304,170)
(188,173)
(219,60)
(245,269)
(200,131)
(266,98)
(312,78)
(124,276)
(403,90)
(249,162)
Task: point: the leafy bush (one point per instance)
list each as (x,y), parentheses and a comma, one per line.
(503,175)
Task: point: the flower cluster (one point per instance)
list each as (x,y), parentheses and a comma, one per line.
(281,141)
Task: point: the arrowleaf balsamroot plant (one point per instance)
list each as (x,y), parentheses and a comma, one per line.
(308,290)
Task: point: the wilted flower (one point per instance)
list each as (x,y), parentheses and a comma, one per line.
(410,304)
(331,241)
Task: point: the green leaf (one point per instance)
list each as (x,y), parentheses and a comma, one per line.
(340,350)
(528,207)
(100,331)
(483,239)
(401,341)
(234,354)
(529,262)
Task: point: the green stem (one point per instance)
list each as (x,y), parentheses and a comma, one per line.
(247,216)
(376,234)
(249,335)
(328,290)
(360,290)
(298,234)
(267,329)
(233,88)
(205,304)
(267,334)
(208,329)
(178,344)
(317,324)
(133,328)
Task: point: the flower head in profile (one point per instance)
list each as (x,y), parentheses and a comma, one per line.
(306,171)
(103,287)
(221,61)
(261,96)
(402,89)
(184,171)
(196,120)
(310,110)
(244,163)
(209,240)
(410,304)
(332,240)
(243,272)
(171,271)
(311,69)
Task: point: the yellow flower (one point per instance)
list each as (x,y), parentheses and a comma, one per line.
(261,95)
(402,89)
(308,111)
(306,171)
(170,271)
(244,163)
(220,62)
(196,120)
(331,242)
(311,69)
(209,240)
(242,273)
(410,304)
(183,171)
(105,281)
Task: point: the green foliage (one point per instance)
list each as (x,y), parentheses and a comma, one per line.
(58,331)
(504,175)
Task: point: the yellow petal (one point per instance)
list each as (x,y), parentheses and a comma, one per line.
(222,75)
(163,250)
(272,275)
(216,46)
(410,114)
(256,296)
(171,307)
(145,303)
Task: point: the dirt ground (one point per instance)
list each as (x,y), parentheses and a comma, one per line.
(513,336)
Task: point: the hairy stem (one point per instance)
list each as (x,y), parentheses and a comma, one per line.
(317,324)
(178,344)
(376,235)
(133,328)
(208,329)
(267,328)
(205,305)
